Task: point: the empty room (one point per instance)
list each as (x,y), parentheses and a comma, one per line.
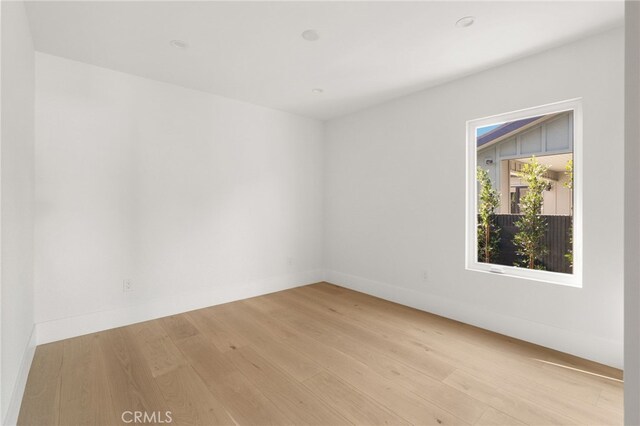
(320,213)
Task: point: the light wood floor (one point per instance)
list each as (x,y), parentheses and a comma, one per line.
(320,355)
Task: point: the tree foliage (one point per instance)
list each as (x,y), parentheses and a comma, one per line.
(568,171)
(532,226)
(488,231)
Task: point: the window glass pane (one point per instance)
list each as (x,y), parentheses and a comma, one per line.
(525,201)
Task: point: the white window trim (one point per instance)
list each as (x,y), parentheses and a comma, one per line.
(575,279)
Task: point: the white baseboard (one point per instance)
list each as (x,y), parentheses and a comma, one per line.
(51,331)
(11,418)
(586,346)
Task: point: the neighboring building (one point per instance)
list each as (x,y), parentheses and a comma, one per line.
(504,149)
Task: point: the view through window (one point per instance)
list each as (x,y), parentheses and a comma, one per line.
(524,199)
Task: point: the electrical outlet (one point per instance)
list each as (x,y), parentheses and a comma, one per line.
(127,286)
(290,262)
(425,276)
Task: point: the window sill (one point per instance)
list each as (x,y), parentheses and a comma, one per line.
(569,280)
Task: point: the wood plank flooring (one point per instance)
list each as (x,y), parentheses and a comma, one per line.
(317,355)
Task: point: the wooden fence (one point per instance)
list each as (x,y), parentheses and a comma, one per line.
(557,240)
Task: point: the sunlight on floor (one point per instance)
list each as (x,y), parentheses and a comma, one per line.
(579,370)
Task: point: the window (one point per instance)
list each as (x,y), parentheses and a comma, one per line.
(524,193)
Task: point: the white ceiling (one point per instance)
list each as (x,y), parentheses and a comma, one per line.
(368,52)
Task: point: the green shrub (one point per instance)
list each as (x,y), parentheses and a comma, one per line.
(488,231)
(532,227)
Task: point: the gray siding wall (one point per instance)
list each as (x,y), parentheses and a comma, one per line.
(554,136)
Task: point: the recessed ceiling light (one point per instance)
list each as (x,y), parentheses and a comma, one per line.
(467,21)
(179,44)
(310,35)
(317,91)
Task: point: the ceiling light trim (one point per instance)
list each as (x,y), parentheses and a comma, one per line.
(310,35)
(179,44)
(465,21)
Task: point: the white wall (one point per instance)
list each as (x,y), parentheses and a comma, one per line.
(197,199)
(391,214)
(632,217)
(17,205)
